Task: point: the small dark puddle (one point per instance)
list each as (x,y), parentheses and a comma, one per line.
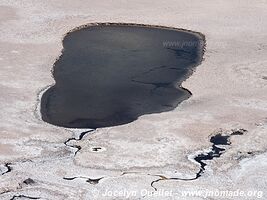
(93,181)
(28,181)
(88,180)
(110,74)
(96,148)
(8,168)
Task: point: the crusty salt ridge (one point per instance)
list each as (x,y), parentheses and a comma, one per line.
(229,92)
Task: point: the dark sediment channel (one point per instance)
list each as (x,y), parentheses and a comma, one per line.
(219,142)
(215,151)
(110,74)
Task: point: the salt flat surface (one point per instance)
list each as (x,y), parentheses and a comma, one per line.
(229,92)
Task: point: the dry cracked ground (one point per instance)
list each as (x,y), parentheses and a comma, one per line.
(157,156)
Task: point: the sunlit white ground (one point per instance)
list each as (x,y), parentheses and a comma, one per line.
(229,92)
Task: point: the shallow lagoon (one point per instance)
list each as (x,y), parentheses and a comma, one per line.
(110,74)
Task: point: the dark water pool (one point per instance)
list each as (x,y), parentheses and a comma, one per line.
(111,74)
